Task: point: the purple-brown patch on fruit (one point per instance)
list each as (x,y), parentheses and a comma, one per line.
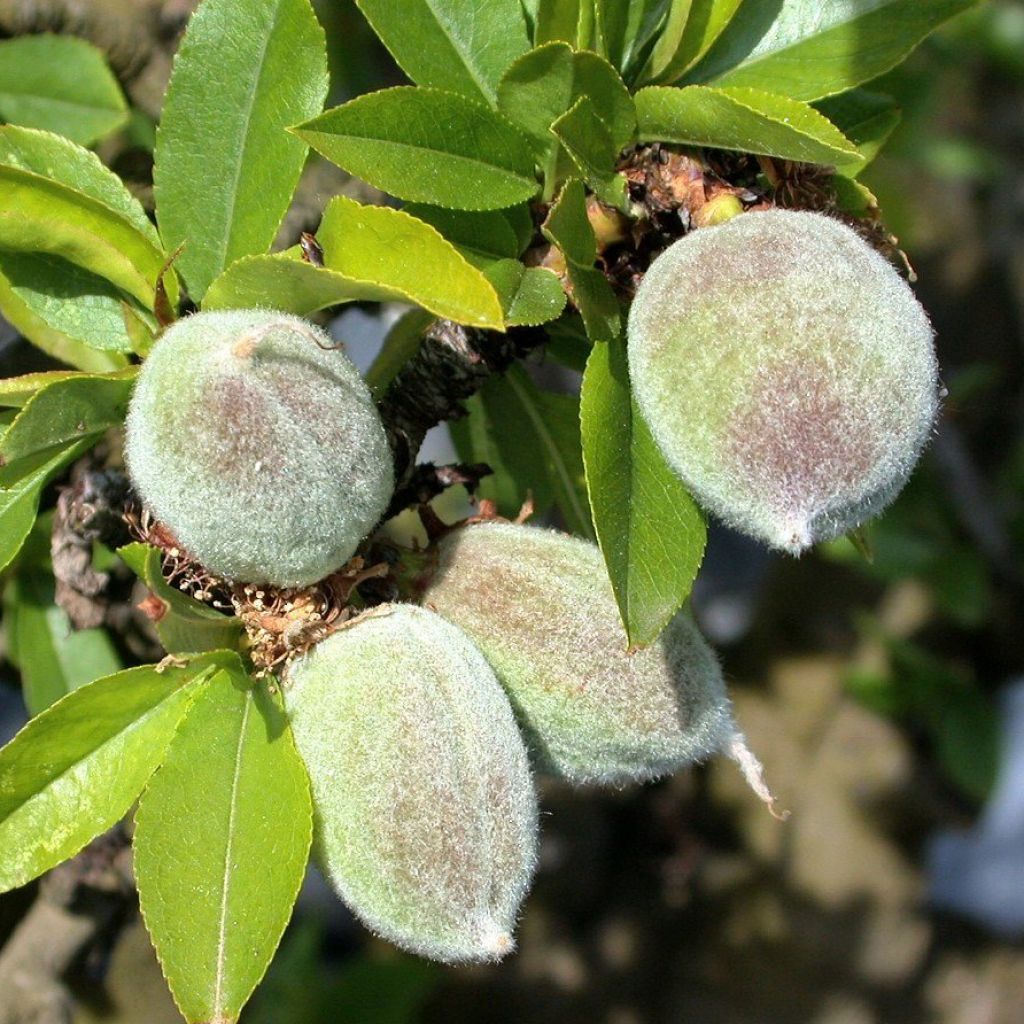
(802,444)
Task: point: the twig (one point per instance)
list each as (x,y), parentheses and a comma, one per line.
(453,363)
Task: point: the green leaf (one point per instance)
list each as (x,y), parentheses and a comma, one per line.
(588,142)
(867,119)
(284,281)
(20,487)
(184,624)
(557,21)
(568,227)
(702,23)
(743,119)
(225,166)
(66,311)
(75,769)
(52,656)
(530,296)
(669,38)
(60,84)
(807,50)
(545,83)
(531,439)
(482,237)
(38,214)
(630,29)
(651,531)
(428,146)
(51,156)
(460,45)
(67,410)
(222,836)
(401,343)
(16,391)
(391,248)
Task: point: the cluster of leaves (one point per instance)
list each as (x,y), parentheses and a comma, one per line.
(517,119)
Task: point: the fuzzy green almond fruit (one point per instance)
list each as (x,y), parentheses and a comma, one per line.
(786,371)
(253,438)
(425,812)
(539,605)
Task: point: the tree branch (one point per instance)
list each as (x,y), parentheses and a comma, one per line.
(453,363)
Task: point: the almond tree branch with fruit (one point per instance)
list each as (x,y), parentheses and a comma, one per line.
(651,198)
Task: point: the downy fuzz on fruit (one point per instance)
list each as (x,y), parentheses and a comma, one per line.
(425,812)
(786,371)
(256,442)
(539,605)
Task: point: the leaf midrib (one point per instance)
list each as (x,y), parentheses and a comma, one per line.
(218,993)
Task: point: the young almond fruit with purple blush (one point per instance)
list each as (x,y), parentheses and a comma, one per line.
(786,371)
(425,813)
(253,438)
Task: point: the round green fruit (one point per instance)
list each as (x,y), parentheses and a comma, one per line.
(786,372)
(258,445)
(425,813)
(539,606)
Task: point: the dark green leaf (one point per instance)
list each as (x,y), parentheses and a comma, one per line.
(630,28)
(461,45)
(66,311)
(388,247)
(182,623)
(542,85)
(67,410)
(222,836)
(867,119)
(60,84)
(429,146)
(529,295)
(806,49)
(225,166)
(743,119)
(75,769)
(401,343)
(20,487)
(589,144)
(651,531)
(52,656)
(531,439)
(481,237)
(693,27)
(557,21)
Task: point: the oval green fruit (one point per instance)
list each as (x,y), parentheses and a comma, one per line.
(786,371)
(425,813)
(539,605)
(256,442)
